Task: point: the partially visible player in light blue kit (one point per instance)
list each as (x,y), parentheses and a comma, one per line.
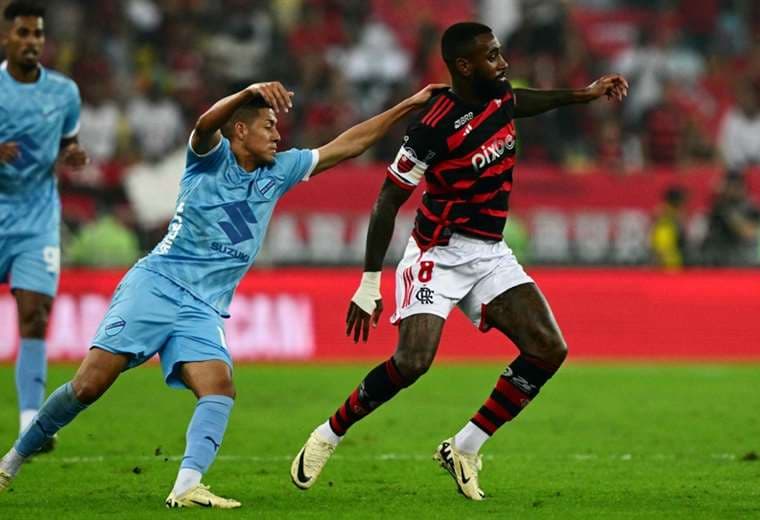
(39,122)
(172,301)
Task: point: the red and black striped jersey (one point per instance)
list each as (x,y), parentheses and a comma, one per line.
(466,154)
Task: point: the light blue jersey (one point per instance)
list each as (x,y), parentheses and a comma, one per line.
(222,215)
(36,116)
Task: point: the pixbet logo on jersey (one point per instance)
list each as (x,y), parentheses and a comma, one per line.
(492,152)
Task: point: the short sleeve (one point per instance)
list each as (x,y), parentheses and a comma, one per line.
(422,146)
(72,111)
(295,165)
(208,162)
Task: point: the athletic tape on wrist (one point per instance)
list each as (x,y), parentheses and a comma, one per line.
(368,292)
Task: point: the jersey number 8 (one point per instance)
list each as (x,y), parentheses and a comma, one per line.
(426,271)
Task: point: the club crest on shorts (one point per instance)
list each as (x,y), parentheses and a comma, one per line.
(114,325)
(425,295)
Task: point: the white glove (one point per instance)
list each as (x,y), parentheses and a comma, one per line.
(368,292)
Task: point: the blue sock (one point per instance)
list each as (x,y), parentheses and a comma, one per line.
(206,431)
(58,411)
(31,374)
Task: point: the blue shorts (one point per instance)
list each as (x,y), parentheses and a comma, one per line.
(31,262)
(150,314)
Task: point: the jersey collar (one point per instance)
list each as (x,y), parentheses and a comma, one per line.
(43,75)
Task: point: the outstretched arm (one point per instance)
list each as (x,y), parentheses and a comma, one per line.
(531,102)
(366,304)
(358,138)
(207,134)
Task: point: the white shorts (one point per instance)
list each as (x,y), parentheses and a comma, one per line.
(467,273)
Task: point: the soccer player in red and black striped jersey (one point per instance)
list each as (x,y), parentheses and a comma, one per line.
(463,145)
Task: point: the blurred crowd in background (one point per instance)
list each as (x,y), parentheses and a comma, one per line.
(148,68)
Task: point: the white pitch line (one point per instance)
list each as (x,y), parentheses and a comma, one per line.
(723,456)
(381,457)
(233,458)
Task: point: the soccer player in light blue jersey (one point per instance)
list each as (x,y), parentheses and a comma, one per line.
(172,301)
(39,121)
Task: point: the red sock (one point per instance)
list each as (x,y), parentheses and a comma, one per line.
(516,387)
(380,385)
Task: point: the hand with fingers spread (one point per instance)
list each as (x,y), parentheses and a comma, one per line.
(275,94)
(9,152)
(614,86)
(365,308)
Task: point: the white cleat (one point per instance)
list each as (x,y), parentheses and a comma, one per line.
(200,496)
(5,480)
(309,462)
(463,468)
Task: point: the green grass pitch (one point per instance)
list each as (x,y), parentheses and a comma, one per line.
(601,441)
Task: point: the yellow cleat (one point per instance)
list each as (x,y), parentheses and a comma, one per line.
(463,467)
(309,462)
(200,496)
(5,480)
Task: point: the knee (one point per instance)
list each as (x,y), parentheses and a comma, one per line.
(33,321)
(413,367)
(87,391)
(549,346)
(554,348)
(228,389)
(225,388)
(560,350)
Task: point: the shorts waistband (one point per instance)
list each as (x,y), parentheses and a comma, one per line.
(468,239)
